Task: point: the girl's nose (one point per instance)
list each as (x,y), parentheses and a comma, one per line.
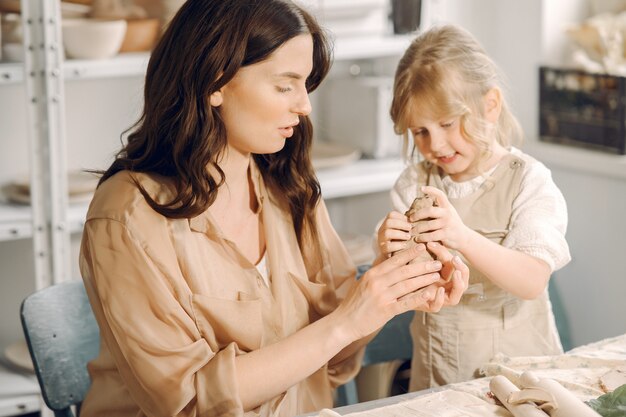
(437,141)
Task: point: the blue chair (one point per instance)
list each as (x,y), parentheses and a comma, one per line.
(62,336)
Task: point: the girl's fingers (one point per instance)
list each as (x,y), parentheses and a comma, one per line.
(457,289)
(396,224)
(436,236)
(394,234)
(428,213)
(395,215)
(427,226)
(390,247)
(439,300)
(440,196)
(440,252)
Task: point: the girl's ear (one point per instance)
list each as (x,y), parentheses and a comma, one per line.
(216,98)
(493,104)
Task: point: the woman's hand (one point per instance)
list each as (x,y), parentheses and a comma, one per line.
(391,288)
(443,225)
(393,233)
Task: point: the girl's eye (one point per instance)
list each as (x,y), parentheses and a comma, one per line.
(447,124)
(418,132)
(283,89)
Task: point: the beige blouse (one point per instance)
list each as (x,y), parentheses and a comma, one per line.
(176,302)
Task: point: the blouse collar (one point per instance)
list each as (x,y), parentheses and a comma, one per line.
(204,222)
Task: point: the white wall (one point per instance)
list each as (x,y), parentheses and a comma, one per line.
(593,285)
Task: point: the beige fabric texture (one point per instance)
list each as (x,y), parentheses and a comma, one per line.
(176,302)
(451,345)
(580,371)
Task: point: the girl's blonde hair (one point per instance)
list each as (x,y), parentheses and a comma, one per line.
(446,73)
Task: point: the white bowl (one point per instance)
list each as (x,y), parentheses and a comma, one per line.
(92,38)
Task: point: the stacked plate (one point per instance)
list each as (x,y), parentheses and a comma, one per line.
(80,184)
(326,154)
(17,355)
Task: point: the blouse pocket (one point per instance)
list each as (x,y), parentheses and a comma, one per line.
(223,321)
(311,290)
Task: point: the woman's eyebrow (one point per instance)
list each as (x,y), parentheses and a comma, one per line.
(289,74)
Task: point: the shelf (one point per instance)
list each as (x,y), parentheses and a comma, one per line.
(135,63)
(11,73)
(19,392)
(362,177)
(123,65)
(16,220)
(371,47)
(578,159)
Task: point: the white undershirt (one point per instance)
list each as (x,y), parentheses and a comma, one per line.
(263,269)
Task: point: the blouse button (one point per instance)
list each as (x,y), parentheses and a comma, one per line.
(515,164)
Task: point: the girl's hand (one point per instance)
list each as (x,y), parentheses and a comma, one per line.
(393,233)
(388,289)
(445,224)
(454,274)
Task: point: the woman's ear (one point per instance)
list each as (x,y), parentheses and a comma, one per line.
(216,98)
(493,104)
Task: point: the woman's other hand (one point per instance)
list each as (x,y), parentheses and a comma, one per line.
(393,287)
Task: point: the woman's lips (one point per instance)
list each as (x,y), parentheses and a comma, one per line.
(287,132)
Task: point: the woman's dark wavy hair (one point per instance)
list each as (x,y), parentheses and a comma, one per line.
(179,134)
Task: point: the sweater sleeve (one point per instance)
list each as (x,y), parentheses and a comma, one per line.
(539,218)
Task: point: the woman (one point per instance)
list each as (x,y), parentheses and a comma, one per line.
(217,280)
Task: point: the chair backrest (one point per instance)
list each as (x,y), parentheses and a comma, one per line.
(62,336)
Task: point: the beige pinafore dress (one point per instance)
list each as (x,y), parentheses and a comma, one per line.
(451,345)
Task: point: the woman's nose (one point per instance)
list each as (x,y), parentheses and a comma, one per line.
(302,105)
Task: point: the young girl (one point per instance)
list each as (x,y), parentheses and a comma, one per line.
(218,282)
(495,206)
